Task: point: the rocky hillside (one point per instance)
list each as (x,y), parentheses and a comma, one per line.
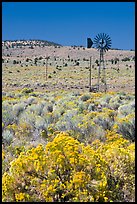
(28,43)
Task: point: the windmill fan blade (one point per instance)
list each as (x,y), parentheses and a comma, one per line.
(109,40)
(100,36)
(107,37)
(102,42)
(109,45)
(97,38)
(95,41)
(103,34)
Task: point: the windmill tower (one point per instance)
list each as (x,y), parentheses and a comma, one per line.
(102,42)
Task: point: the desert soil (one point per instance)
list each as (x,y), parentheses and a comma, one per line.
(67,69)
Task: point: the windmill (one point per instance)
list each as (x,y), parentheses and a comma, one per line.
(102,43)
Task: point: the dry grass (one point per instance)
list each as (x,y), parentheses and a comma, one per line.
(27,74)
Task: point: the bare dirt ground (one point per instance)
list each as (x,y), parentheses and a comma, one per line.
(67,69)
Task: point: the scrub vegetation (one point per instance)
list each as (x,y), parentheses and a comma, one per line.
(68,146)
(60,142)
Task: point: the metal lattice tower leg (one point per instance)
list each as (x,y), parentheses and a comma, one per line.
(104,75)
(99,70)
(102,66)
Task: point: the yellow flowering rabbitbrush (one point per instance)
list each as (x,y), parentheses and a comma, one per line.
(67,170)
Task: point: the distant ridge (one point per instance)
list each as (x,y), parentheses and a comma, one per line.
(30,42)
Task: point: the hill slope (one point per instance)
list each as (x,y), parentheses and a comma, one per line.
(20,43)
(68,67)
